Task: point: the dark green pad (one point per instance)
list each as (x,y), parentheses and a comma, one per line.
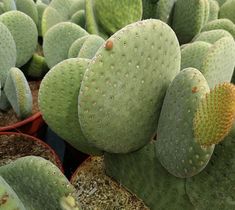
(165,10)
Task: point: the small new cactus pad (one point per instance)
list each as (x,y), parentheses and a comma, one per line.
(224,24)
(50,17)
(7,52)
(215,115)
(214,10)
(214,188)
(41,7)
(76,46)
(142,174)
(79,18)
(9,5)
(176,147)
(58,101)
(8,198)
(193,54)
(69,203)
(227,10)
(29,8)
(164,10)
(38,183)
(90,46)
(212,36)
(65,34)
(24,32)
(219,62)
(36,67)
(18,93)
(120,100)
(114,15)
(91,24)
(188,19)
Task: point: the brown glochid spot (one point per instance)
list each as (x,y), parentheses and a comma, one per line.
(109,45)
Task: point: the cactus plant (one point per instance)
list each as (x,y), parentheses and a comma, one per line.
(61,105)
(227,10)
(64,33)
(91,22)
(119,100)
(176,147)
(79,18)
(9,5)
(164,10)
(24,32)
(214,10)
(76,46)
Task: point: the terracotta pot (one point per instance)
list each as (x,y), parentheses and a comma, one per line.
(35,147)
(30,125)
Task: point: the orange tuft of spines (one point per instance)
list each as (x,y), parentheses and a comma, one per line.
(215,115)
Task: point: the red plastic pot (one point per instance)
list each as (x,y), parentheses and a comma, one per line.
(52,153)
(30,125)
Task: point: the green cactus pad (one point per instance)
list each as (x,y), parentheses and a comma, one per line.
(206,11)
(214,10)
(8,198)
(164,10)
(38,183)
(18,93)
(224,24)
(120,100)
(79,18)
(217,108)
(149,9)
(9,5)
(114,15)
(4,103)
(142,174)
(7,52)
(193,54)
(76,6)
(214,188)
(91,24)
(221,2)
(36,67)
(65,34)
(227,10)
(90,46)
(176,147)
(62,6)
(59,108)
(41,7)
(24,32)
(212,36)
(76,46)
(219,62)
(29,8)
(188,19)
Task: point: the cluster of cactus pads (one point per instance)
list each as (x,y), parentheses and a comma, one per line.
(145,83)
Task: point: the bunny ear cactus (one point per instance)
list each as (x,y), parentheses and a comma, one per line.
(9,5)
(214,10)
(111,118)
(76,46)
(61,105)
(164,10)
(18,93)
(215,115)
(227,10)
(176,147)
(79,18)
(91,24)
(114,15)
(24,32)
(64,33)
(8,198)
(38,183)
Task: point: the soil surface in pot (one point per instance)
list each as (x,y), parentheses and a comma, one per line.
(14,146)
(95,190)
(9,117)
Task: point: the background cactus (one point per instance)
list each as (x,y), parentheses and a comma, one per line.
(214,10)
(119,100)
(227,10)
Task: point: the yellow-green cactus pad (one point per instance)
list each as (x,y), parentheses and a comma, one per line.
(227,10)
(176,147)
(114,15)
(58,102)
(224,24)
(215,115)
(38,183)
(24,32)
(214,188)
(58,40)
(29,8)
(120,100)
(18,93)
(8,198)
(7,52)
(188,19)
